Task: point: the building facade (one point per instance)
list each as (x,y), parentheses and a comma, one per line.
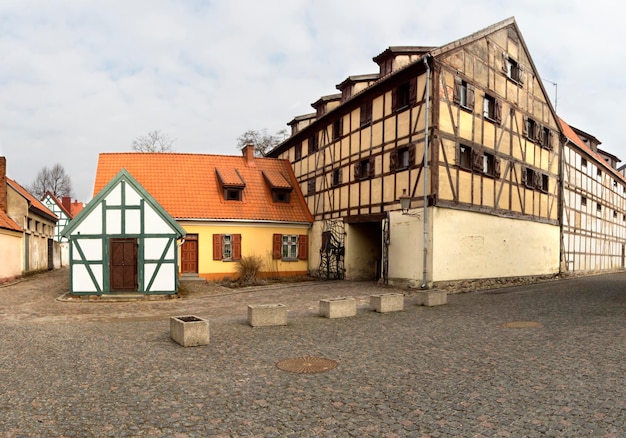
(466,133)
(594,206)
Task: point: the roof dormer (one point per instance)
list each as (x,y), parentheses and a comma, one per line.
(326,103)
(355,84)
(231,182)
(279,185)
(396,57)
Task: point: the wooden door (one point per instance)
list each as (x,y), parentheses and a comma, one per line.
(123,265)
(189,254)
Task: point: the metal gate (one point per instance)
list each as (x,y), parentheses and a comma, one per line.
(332,251)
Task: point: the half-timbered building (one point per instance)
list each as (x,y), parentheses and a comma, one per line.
(123,241)
(466,134)
(61,210)
(594,206)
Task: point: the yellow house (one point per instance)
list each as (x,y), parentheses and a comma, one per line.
(229,206)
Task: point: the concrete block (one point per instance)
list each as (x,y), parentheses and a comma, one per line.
(339,307)
(263,315)
(189,331)
(383,303)
(431,298)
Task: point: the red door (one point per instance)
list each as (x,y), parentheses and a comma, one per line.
(123,265)
(189,254)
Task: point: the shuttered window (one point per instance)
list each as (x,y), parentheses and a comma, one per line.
(290,247)
(227,247)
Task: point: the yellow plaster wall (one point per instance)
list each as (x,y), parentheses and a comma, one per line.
(10,254)
(468,245)
(256,240)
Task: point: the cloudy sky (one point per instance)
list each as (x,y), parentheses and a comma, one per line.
(78,78)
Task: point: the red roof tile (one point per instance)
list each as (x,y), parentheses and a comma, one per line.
(188,185)
(60,204)
(34,202)
(574,138)
(7,223)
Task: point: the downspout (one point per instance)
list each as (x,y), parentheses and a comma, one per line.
(563,256)
(425,254)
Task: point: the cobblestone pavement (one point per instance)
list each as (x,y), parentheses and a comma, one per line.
(110,369)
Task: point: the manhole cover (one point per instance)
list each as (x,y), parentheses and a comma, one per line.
(306,364)
(522,324)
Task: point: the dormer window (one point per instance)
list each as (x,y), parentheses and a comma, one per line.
(279,186)
(232,194)
(232,184)
(281,196)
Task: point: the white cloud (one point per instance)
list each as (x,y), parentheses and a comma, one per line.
(80,78)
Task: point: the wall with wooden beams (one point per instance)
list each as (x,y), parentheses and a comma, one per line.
(594,214)
(504,190)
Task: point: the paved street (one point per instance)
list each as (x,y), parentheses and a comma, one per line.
(80,369)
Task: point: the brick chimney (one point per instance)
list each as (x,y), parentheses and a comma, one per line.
(66,201)
(3,184)
(248,154)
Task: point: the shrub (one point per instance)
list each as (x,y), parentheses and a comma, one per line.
(248,268)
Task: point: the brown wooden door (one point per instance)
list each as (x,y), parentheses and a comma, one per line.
(123,265)
(189,254)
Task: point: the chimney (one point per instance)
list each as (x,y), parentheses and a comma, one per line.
(3,184)
(248,154)
(66,201)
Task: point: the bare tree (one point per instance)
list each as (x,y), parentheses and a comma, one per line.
(263,141)
(53,180)
(155,141)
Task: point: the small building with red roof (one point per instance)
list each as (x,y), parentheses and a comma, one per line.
(229,207)
(24,214)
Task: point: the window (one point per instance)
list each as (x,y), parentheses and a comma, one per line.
(614,214)
(364,169)
(545,183)
(298,151)
(583,201)
(530,129)
(463,93)
(227,247)
(583,162)
(489,107)
(402,96)
(599,172)
(614,184)
(599,208)
(310,187)
(312,143)
(281,196)
(336,178)
(403,158)
(337,129)
(232,194)
(290,247)
(512,69)
(366,114)
(488,164)
(465,157)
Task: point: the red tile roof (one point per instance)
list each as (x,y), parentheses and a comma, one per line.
(188,185)
(34,202)
(574,138)
(7,223)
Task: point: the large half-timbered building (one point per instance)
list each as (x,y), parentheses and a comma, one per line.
(466,133)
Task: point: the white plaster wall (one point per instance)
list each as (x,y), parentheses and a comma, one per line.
(81,281)
(132,197)
(133,222)
(92,224)
(153,248)
(468,245)
(165,279)
(406,247)
(153,223)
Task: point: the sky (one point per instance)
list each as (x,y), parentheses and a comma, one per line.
(79,78)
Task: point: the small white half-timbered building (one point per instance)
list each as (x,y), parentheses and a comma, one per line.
(123,241)
(65,216)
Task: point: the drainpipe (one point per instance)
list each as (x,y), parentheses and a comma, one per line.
(425,254)
(563,257)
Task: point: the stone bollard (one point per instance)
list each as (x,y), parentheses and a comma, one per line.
(383,303)
(431,298)
(264,315)
(339,307)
